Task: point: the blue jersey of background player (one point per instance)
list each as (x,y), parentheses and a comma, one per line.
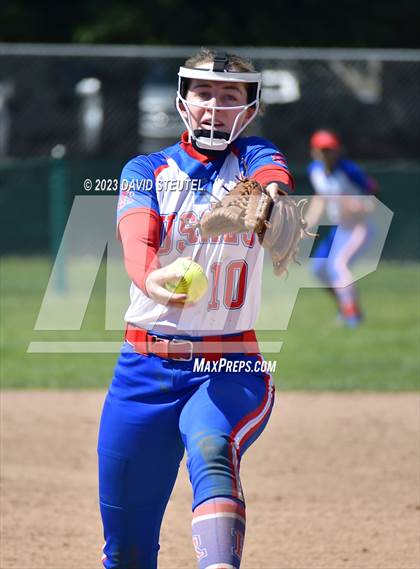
(333,176)
(159,404)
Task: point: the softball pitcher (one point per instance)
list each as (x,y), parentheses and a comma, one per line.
(160,403)
(332,175)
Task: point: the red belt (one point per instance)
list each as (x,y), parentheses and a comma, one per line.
(211,347)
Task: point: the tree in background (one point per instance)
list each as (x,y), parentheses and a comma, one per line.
(350,23)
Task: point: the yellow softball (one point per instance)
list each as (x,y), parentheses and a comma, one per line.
(193,283)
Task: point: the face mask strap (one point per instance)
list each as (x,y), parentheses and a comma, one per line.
(220,61)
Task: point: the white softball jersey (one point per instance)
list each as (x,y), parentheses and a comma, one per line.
(180,184)
(346,179)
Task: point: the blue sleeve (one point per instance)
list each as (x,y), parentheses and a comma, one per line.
(262,160)
(137,187)
(311,167)
(259,153)
(356,175)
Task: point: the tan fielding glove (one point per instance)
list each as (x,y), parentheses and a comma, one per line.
(279,224)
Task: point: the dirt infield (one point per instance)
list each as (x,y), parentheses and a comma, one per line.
(332,483)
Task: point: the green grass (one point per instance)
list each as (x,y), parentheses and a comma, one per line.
(381,355)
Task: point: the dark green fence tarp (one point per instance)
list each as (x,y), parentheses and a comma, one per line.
(26,200)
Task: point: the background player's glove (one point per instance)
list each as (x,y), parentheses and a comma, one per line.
(279,224)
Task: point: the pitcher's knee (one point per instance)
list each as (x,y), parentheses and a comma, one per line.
(210,448)
(213,465)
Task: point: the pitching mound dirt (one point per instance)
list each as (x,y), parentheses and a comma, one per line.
(333,483)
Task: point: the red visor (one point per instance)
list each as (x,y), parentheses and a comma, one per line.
(325,139)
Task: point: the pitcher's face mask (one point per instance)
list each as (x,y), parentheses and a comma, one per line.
(212,137)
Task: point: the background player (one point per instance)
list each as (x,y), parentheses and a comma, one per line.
(332,175)
(157,405)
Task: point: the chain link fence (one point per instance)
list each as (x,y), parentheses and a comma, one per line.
(105,104)
(114,101)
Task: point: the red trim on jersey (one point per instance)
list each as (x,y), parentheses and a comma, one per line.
(191,151)
(234,149)
(160,168)
(270,173)
(140,237)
